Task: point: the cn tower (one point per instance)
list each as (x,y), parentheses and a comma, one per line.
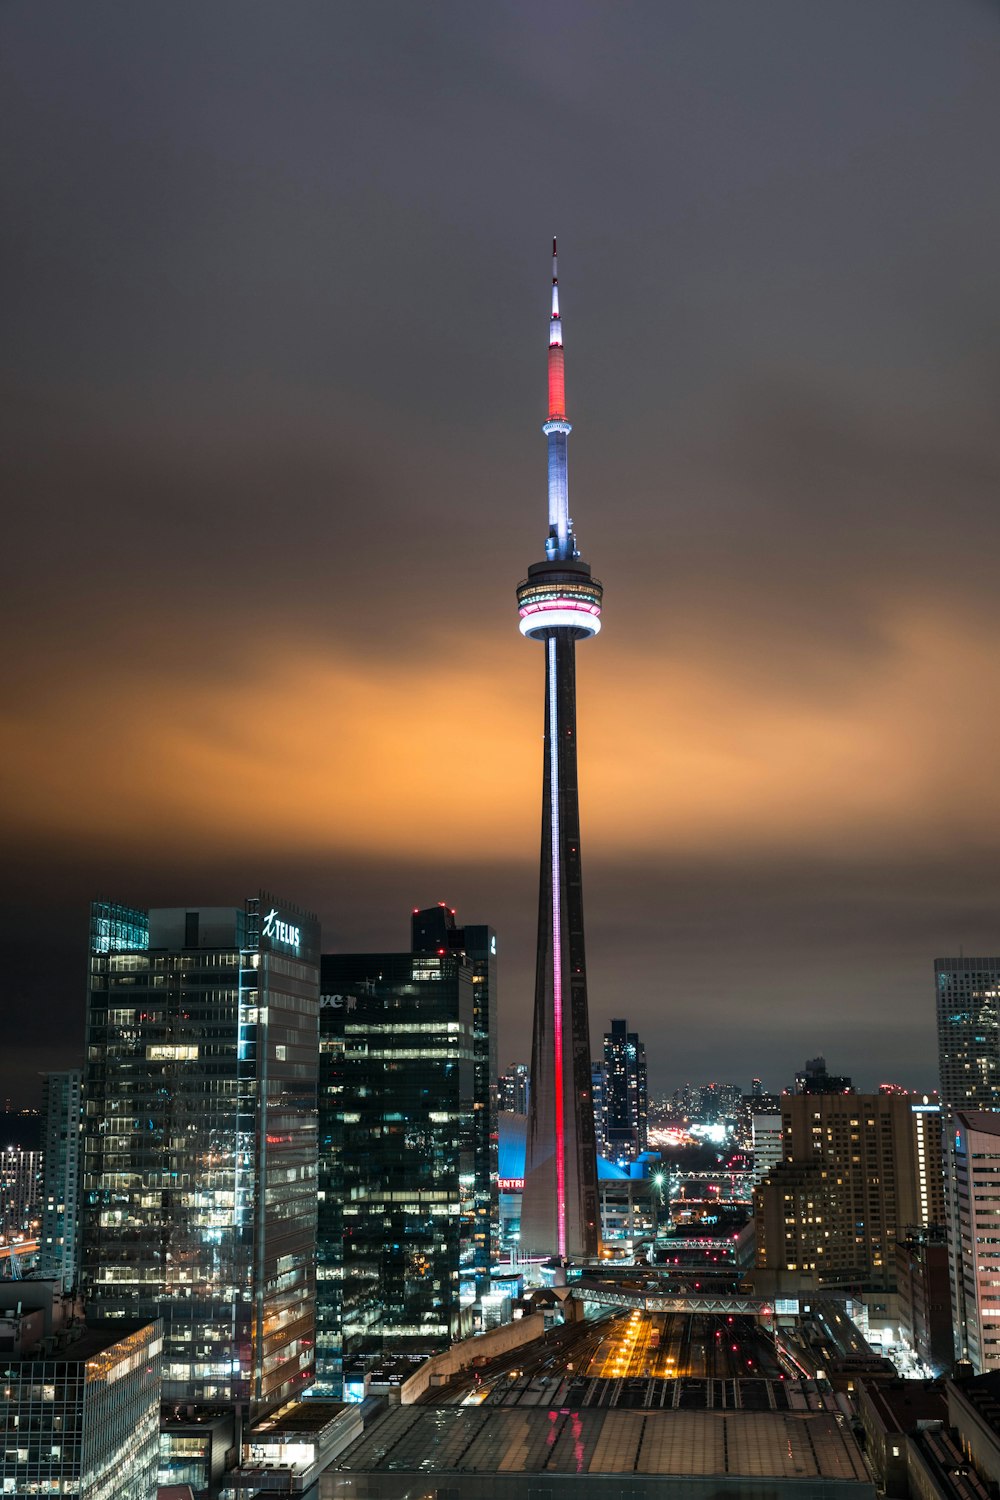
(560,604)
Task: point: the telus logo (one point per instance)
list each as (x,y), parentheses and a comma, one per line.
(279,931)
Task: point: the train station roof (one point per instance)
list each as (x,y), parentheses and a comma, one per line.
(704,1453)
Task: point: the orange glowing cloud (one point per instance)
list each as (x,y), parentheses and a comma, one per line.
(315,753)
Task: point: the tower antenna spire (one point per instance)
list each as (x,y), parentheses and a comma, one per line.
(555,328)
(561,542)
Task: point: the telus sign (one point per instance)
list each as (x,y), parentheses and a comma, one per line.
(279,931)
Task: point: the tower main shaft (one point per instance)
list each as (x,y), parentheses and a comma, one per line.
(559,604)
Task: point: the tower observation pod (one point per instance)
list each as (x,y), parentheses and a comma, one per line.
(559,603)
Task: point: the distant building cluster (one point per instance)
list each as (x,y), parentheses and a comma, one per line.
(283,1171)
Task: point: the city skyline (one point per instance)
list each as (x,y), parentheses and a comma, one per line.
(273,347)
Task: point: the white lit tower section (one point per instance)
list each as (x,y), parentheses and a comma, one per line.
(560,604)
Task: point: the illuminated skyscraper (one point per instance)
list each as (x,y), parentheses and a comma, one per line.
(434,931)
(199,1143)
(515,1089)
(559,604)
(62,1108)
(626,1108)
(397,1246)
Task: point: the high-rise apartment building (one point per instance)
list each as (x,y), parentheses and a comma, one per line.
(850,1182)
(62,1127)
(199,1142)
(559,604)
(597,1088)
(398,1200)
(626,1105)
(515,1089)
(968,1028)
(20,1189)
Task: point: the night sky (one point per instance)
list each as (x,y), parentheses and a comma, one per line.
(276,293)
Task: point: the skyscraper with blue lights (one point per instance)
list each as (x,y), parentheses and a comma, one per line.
(199,1158)
(559,604)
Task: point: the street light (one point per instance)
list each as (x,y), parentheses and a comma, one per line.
(658,1181)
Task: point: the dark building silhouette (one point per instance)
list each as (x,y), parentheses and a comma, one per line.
(814,1079)
(434,930)
(408,1167)
(925,1295)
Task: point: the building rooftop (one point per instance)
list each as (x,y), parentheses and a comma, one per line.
(982,1393)
(300,1419)
(71,1343)
(497,1440)
(901,1404)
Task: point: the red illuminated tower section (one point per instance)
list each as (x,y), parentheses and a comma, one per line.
(560,604)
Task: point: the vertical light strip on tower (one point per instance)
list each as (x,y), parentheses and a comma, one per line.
(560,603)
(557,986)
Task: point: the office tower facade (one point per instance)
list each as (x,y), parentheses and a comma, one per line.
(81,1400)
(626,1106)
(20,1189)
(975,1203)
(62,1127)
(968,1029)
(199,1144)
(515,1089)
(559,603)
(435,931)
(397,1246)
(849,1184)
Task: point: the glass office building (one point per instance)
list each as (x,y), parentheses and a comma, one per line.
(435,931)
(199,1142)
(81,1401)
(397,1212)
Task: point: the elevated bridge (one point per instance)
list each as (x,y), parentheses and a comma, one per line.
(653,1300)
(16,1259)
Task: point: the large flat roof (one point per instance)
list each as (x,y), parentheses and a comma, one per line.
(501,1440)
